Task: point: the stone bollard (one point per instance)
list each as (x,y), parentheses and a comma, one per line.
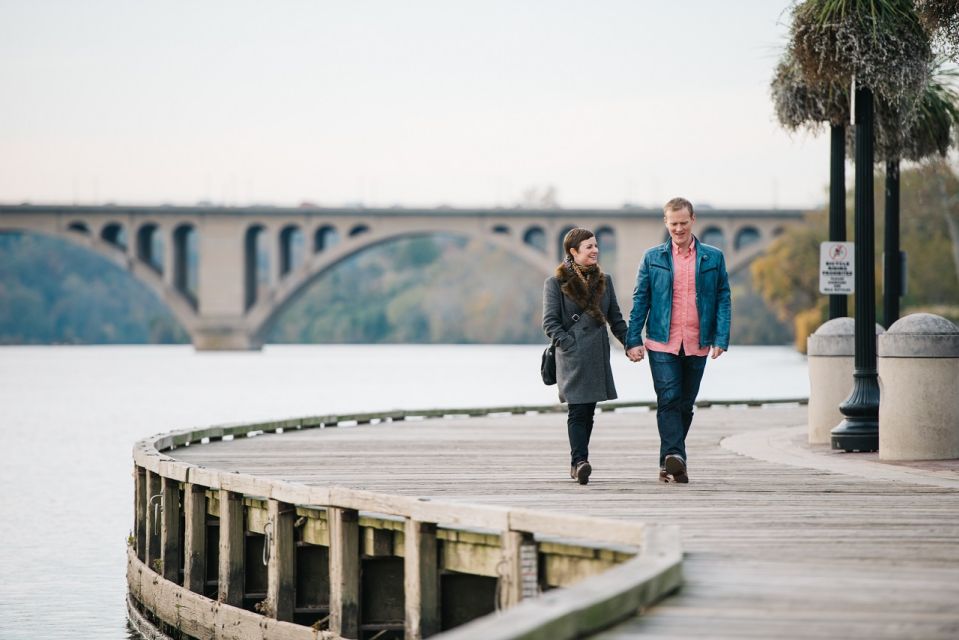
(830,352)
(919,389)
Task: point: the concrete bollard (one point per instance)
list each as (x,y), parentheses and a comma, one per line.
(830,353)
(919,389)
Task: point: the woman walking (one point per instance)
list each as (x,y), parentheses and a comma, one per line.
(578,303)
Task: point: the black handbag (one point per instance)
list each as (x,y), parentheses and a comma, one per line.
(548,365)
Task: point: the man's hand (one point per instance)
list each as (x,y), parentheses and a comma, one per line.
(635,354)
(718,351)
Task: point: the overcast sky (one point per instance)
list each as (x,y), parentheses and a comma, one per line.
(416,102)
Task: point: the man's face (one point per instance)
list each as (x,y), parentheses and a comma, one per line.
(679,222)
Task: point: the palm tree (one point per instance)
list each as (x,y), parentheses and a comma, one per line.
(802,106)
(941,19)
(924,132)
(876,47)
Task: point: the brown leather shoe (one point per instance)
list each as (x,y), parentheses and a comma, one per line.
(676,467)
(664,476)
(581,472)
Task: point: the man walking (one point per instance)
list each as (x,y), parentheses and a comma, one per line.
(682,297)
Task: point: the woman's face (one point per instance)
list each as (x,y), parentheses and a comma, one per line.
(587,254)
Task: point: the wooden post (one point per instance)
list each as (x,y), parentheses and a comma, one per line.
(344,572)
(194,538)
(281,572)
(230,574)
(519,580)
(421,580)
(170,557)
(152,534)
(140,510)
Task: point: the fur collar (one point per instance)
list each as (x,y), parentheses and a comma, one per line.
(576,290)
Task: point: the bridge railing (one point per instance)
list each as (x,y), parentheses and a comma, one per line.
(213,550)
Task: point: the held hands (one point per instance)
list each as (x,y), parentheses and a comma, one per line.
(637,353)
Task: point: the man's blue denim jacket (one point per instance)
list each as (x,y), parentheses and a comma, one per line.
(653,296)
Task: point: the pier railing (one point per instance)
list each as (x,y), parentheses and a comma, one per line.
(231,555)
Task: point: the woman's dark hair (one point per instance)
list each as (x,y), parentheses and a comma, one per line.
(574,238)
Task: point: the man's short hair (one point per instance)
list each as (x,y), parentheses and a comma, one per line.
(679,203)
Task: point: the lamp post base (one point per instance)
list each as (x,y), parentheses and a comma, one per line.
(856,435)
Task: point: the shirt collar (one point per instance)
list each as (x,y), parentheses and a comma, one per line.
(675,247)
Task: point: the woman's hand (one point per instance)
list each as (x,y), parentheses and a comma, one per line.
(637,353)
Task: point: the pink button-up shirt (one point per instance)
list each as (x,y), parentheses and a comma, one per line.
(684,318)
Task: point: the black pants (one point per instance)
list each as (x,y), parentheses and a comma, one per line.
(579,424)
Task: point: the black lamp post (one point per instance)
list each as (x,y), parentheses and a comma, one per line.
(892,264)
(860,429)
(838,307)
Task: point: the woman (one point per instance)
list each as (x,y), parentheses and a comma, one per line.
(578,303)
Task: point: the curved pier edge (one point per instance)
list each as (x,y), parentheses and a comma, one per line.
(593,604)
(562,614)
(570,612)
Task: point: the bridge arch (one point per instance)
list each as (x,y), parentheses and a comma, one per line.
(291,248)
(149,245)
(714,236)
(115,234)
(78,226)
(256,263)
(359,229)
(186,261)
(535,237)
(745,237)
(606,239)
(325,237)
(262,314)
(560,252)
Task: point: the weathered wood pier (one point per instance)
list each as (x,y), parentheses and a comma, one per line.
(217,554)
(781,539)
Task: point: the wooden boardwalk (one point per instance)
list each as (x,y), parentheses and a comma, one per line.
(787,542)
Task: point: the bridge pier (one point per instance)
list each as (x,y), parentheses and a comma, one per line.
(224,338)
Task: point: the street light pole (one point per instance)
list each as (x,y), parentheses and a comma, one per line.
(860,429)
(838,306)
(892,264)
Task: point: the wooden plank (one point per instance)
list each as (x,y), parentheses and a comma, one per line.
(344,571)
(194,537)
(478,560)
(281,580)
(170,552)
(152,483)
(513,569)
(140,511)
(200,617)
(231,552)
(421,581)
(377,543)
(575,526)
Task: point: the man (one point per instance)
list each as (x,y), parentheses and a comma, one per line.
(682,297)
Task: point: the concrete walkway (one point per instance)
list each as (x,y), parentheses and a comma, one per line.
(782,540)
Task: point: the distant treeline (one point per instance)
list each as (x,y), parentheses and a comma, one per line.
(421,290)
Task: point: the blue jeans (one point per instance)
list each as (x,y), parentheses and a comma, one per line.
(676,380)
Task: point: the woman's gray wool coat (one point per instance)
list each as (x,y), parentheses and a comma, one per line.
(583,372)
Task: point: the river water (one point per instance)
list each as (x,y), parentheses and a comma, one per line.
(70,415)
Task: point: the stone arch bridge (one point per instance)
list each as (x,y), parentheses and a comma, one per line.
(226,272)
